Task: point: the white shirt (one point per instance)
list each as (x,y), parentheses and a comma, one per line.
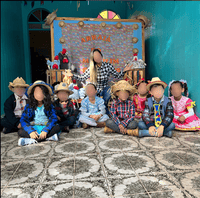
(17,110)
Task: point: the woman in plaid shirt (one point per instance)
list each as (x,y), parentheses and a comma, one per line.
(99,73)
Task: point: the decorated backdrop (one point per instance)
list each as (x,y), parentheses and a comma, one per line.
(116,44)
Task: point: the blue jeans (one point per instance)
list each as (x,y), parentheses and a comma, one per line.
(106,96)
(144,131)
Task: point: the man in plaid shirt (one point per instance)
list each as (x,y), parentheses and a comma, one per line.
(158,113)
(122,110)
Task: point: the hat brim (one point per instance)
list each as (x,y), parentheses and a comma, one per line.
(67,90)
(156,82)
(34,85)
(11,86)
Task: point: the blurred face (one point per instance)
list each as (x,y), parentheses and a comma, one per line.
(123,95)
(97,57)
(90,91)
(176,90)
(157,92)
(20,91)
(38,94)
(142,89)
(62,95)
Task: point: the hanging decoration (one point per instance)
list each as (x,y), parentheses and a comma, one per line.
(107,14)
(32,4)
(78,5)
(25,2)
(42,2)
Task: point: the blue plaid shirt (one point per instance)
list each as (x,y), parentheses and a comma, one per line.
(87,108)
(29,114)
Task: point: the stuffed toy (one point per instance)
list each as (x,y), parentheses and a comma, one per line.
(67,76)
(74,87)
(55,64)
(135,63)
(64,60)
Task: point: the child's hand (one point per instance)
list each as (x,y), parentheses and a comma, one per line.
(19,126)
(58,118)
(43,135)
(160,130)
(34,135)
(122,129)
(95,117)
(181,119)
(152,130)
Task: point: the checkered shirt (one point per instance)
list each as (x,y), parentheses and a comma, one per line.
(103,74)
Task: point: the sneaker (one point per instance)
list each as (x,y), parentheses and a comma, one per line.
(66,129)
(53,138)
(26,141)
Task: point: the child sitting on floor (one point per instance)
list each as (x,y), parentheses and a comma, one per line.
(184,116)
(122,110)
(93,110)
(158,113)
(14,106)
(39,117)
(139,98)
(64,107)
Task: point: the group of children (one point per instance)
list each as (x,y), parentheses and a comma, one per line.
(148,112)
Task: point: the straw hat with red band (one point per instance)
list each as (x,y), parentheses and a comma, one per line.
(154,81)
(63,87)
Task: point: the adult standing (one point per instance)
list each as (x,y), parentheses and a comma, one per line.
(99,72)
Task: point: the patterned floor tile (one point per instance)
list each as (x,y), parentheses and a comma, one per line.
(178,159)
(28,191)
(190,181)
(28,171)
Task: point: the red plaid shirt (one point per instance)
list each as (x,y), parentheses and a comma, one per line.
(122,112)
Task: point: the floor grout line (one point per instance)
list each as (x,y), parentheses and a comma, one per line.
(101,161)
(167,173)
(135,172)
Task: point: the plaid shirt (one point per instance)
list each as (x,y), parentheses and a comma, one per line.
(148,115)
(122,112)
(64,111)
(87,108)
(103,74)
(29,114)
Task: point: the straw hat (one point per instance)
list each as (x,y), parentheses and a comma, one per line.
(63,87)
(154,81)
(122,85)
(49,19)
(18,82)
(39,82)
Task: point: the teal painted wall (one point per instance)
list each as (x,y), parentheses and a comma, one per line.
(173,42)
(12,49)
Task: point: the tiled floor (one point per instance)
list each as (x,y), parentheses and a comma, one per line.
(88,163)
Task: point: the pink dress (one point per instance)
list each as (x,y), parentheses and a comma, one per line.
(192,123)
(139,105)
